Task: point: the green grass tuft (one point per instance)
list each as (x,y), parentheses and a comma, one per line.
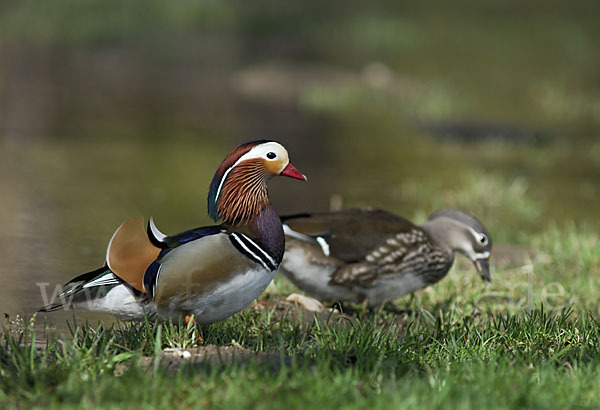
(418,359)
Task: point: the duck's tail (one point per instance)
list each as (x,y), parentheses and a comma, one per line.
(83,288)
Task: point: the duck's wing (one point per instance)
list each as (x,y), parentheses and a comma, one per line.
(403,253)
(162,241)
(168,243)
(348,235)
(371,243)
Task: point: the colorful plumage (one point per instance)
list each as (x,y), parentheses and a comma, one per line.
(210,272)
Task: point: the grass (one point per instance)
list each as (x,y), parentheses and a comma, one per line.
(434,360)
(455,345)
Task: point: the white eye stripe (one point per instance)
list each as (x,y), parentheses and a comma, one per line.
(478,236)
(223,180)
(259,151)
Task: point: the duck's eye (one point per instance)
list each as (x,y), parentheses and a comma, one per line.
(483,239)
(271,155)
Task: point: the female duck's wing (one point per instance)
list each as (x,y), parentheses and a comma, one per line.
(371,243)
(403,253)
(348,235)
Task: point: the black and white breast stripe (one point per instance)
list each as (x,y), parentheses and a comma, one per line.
(252,250)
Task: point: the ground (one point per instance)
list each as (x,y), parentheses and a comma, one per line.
(459,344)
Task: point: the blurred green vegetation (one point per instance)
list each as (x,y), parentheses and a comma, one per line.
(533,62)
(96,24)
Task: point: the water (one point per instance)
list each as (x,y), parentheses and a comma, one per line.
(95,131)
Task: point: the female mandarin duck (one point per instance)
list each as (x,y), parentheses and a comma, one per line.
(210,272)
(371,255)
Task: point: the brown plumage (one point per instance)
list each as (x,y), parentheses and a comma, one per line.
(370,254)
(130,252)
(244,192)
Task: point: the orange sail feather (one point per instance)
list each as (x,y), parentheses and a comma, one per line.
(130,252)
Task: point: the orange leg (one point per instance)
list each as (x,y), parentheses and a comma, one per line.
(190,318)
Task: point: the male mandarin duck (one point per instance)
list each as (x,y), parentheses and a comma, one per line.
(210,272)
(371,255)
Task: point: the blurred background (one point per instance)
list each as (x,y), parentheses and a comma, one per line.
(110,109)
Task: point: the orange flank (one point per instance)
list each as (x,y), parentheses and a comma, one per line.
(130,252)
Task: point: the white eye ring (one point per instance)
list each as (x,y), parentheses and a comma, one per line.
(483,239)
(271,155)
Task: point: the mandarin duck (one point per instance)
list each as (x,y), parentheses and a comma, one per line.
(373,256)
(210,272)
